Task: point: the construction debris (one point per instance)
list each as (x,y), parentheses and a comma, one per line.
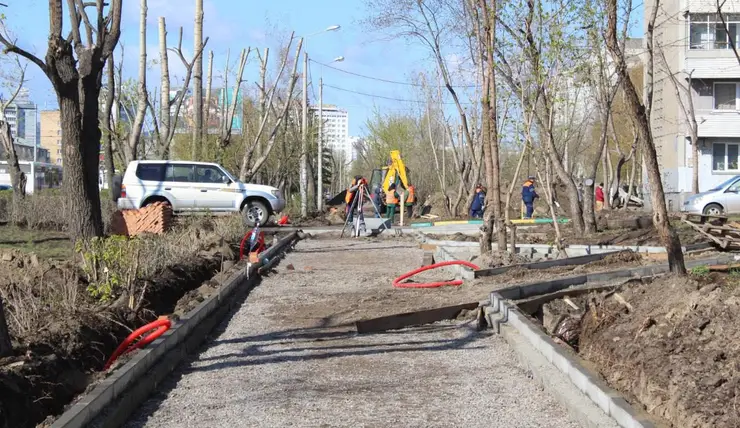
(716,228)
(154,218)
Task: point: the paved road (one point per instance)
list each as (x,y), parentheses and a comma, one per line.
(289,357)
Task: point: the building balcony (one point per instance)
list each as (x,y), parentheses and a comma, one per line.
(718,124)
(712,64)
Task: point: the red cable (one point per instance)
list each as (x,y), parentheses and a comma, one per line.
(397,281)
(161,325)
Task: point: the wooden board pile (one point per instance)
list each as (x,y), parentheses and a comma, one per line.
(154,218)
(719,229)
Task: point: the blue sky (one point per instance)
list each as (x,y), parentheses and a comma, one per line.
(237,24)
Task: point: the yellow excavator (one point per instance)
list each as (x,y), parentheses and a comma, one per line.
(395,172)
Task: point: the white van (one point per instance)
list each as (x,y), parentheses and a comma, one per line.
(197,186)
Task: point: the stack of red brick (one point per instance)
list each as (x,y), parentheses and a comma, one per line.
(153,218)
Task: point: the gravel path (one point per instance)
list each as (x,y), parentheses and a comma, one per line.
(289,356)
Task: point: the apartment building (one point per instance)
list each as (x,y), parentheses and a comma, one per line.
(21,116)
(51,135)
(336,129)
(695,42)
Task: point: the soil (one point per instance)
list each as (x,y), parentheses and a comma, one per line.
(669,345)
(63,348)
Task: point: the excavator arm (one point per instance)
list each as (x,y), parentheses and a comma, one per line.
(396,171)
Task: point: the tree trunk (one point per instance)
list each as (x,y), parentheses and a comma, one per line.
(6,347)
(198,83)
(209,86)
(164,95)
(512,185)
(638,111)
(17,177)
(132,149)
(108,118)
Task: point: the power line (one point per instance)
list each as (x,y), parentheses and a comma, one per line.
(379,79)
(383,97)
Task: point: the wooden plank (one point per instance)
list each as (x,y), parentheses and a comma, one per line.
(428,247)
(409,319)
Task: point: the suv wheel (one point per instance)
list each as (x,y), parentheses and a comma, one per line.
(255,211)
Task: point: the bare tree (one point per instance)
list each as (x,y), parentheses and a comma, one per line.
(209,84)
(641,113)
(75,69)
(230,110)
(14,82)
(248,168)
(198,82)
(169,115)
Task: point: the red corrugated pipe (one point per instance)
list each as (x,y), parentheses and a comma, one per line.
(159,326)
(397,281)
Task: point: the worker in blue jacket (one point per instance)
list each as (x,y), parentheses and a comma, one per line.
(479,202)
(529,195)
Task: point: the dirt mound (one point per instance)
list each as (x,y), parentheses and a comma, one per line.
(457,237)
(499,258)
(667,345)
(436,204)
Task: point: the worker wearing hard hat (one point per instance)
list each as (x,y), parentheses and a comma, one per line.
(529,195)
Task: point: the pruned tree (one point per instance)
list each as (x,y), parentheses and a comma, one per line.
(13,81)
(641,114)
(75,69)
(131,149)
(169,109)
(250,167)
(197,82)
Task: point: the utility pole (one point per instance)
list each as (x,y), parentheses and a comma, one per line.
(320,188)
(304,141)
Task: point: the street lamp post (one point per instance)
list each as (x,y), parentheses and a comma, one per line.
(304,128)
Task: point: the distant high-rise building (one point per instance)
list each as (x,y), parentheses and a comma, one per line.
(336,129)
(21,116)
(51,135)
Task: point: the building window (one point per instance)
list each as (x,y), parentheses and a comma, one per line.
(726,96)
(725,157)
(707,32)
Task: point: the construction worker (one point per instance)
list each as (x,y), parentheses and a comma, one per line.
(479,202)
(349,197)
(600,197)
(391,201)
(410,200)
(378,200)
(529,195)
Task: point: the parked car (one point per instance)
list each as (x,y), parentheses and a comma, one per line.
(723,199)
(5,187)
(197,186)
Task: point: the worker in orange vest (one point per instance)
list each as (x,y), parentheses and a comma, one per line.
(391,201)
(410,200)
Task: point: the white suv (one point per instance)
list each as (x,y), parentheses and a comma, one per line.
(197,186)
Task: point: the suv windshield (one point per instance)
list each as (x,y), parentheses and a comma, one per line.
(724,184)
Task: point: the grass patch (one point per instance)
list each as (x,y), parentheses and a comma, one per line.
(45,243)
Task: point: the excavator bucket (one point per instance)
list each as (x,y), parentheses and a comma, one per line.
(338,199)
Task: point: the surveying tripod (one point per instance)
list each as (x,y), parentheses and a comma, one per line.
(358,218)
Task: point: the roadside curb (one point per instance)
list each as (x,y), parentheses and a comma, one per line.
(113,399)
(512,321)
